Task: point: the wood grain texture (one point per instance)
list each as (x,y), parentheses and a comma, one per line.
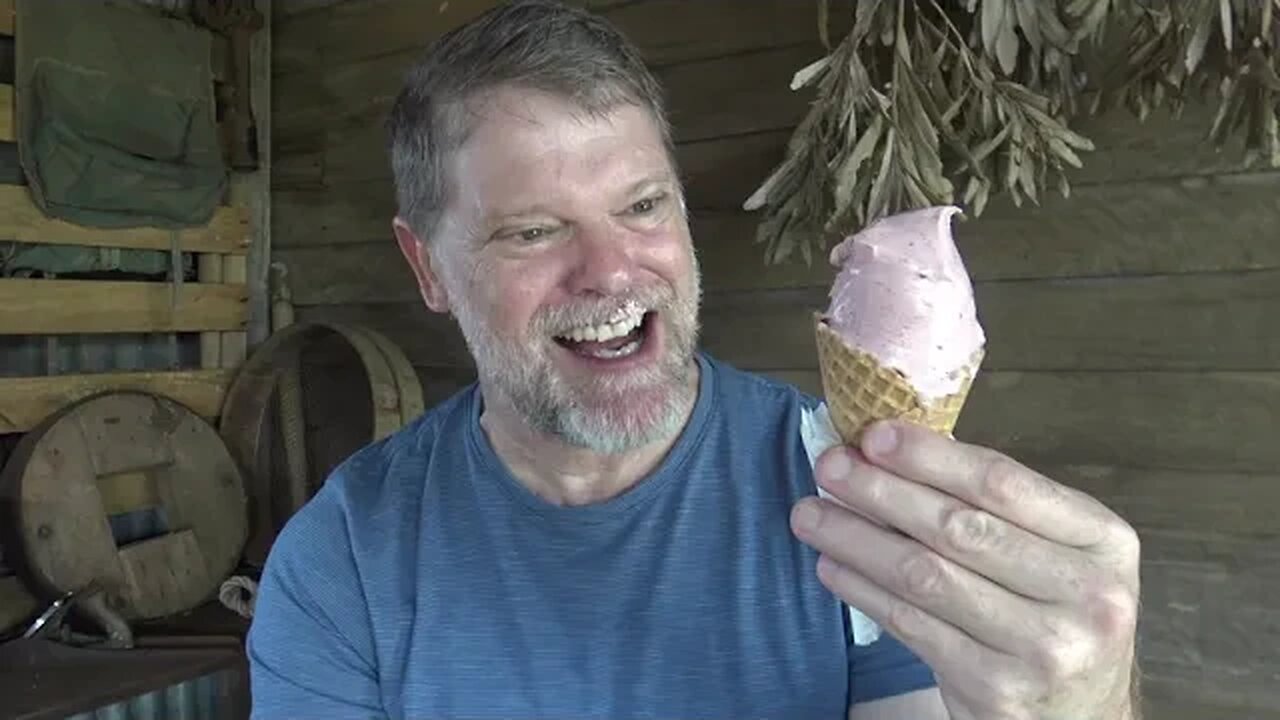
(339,274)
(1208,606)
(7,122)
(1213,421)
(26,401)
(351,213)
(1210,421)
(1191,501)
(710,98)
(1194,225)
(46,307)
(666,31)
(22,220)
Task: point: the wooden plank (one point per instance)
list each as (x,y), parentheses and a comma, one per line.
(1180,500)
(6,17)
(46,307)
(165,572)
(22,220)
(1162,146)
(350,213)
(1217,421)
(1210,604)
(721,173)
(1211,421)
(339,274)
(711,98)
(252,190)
(209,270)
(1175,692)
(235,343)
(6,113)
(354,31)
(1202,321)
(25,401)
(1198,224)
(665,31)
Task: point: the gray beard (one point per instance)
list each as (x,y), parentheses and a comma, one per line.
(549,404)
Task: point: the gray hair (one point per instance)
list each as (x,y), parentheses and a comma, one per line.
(538,44)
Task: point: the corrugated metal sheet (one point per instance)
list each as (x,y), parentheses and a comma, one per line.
(205,698)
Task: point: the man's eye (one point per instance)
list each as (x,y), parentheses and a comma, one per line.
(531,234)
(645,206)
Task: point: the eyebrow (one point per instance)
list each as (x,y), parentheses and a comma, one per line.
(660,178)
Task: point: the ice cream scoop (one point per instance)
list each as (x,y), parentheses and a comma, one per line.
(903,296)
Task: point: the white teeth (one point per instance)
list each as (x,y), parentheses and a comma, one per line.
(606,331)
(623,351)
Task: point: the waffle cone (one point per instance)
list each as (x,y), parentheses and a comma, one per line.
(859,390)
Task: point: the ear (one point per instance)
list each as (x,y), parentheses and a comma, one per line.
(418,256)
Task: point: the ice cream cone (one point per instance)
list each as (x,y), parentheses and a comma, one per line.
(859,390)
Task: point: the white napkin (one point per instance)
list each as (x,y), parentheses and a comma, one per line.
(819,434)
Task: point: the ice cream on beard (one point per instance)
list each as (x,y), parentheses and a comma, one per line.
(901,336)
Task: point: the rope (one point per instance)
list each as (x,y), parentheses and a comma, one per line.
(238,594)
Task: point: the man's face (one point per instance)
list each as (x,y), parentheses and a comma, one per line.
(565,255)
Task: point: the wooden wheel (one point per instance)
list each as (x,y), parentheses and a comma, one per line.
(113,456)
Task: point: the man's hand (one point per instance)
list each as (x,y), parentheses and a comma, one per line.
(1020,593)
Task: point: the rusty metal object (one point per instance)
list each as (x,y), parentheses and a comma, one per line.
(113,455)
(247,415)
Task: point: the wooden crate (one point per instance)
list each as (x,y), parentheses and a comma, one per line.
(216,306)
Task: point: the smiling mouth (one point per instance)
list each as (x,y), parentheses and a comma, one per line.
(621,338)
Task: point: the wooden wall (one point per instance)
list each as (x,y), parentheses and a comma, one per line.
(1134,347)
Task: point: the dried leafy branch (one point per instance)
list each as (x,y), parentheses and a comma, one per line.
(952,101)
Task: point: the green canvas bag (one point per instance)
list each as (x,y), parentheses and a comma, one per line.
(116,114)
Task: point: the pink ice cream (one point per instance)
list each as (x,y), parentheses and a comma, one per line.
(903,295)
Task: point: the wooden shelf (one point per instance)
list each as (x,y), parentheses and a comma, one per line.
(21,220)
(26,401)
(49,307)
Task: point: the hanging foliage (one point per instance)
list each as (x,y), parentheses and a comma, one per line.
(927,102)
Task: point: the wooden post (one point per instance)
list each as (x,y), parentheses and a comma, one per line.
(209,270)
(234,344)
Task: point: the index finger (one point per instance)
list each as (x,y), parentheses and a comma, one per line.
(991,481)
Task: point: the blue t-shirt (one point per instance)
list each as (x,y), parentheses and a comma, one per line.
(424,581)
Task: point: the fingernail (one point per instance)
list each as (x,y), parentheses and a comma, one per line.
(880,439)
(806,517)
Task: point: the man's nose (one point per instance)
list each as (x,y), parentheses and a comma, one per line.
(603,262)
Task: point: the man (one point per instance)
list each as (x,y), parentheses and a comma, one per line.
(611,524)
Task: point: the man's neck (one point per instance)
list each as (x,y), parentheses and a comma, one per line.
(561,473)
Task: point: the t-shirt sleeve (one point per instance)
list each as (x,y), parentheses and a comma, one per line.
(885,668)
(310,645)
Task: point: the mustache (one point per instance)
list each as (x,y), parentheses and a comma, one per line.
(560,319)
